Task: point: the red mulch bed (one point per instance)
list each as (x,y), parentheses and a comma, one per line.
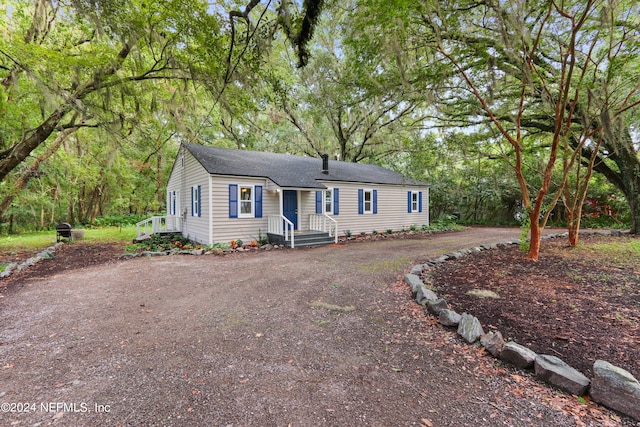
(578,304)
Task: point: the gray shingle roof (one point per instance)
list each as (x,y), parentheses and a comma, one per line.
(290,171)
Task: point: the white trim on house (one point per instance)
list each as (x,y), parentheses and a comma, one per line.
(367,192)
(210,209)
(246,206)
(415,201)
(328,201)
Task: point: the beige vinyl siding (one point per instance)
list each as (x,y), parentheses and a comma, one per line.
(392,208)
(226,229)
(306,206)
(175,182)
(195,228)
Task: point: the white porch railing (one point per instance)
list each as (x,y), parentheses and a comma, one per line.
(279,224)
(324,223)
(159,224)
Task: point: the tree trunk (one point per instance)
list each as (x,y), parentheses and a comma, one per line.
(22,182)
(11,158)
(94,205)
(159,187)
(534,243)
(71,218)
(573,228)
(633,198)
(627,176)
(629,183)
(17,153)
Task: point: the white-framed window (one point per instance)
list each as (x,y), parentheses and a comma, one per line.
(368,201)
(415,201)
(195,201)
(328,201)
(171,202)
(246,198)
(245,201)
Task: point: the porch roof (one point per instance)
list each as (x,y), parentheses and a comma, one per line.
(290,171)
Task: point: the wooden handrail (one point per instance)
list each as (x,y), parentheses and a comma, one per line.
(275,226)
(318,222)
(157,224)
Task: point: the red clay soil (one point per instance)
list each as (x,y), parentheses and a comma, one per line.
(574,303)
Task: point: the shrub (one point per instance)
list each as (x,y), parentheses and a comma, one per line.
(118,220)
(163,243)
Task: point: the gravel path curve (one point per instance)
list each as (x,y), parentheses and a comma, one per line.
(304,337)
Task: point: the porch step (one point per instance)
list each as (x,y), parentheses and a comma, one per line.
(311,239)
(302,239)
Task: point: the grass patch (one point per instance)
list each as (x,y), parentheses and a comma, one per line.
(332,307)
(619,251)
(42,239)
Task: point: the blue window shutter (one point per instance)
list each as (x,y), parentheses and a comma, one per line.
(318,202)
(173,212)
(375,201)
(192,203)
(199,201)
(233,200)
(420,201)
(360,201)
(258,201)
(409,201)
(336,202)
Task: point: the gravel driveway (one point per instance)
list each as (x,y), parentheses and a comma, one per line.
(304,337)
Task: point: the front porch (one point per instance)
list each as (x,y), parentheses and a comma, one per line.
(302,239)
(158,225)
(322,230)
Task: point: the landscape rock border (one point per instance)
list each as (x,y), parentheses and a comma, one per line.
(202,251)
(15,267)
(611,386)
(48,253)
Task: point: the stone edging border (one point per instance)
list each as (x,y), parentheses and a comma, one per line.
(611,386)
(15,267)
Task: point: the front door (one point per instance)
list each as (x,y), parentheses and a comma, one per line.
(290,206)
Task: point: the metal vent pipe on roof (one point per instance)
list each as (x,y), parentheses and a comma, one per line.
(325,164)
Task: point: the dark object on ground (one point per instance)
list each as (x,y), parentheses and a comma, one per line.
(63,231)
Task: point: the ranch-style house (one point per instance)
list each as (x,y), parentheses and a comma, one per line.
(215,195)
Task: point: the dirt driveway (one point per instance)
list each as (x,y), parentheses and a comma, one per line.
(304,337)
